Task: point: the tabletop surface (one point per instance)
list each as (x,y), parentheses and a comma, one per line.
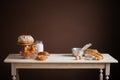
(58,58)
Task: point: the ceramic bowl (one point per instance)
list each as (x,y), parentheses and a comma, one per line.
(77,52)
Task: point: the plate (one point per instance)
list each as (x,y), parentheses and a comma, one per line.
(24,44)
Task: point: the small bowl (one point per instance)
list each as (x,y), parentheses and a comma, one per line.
(77,52)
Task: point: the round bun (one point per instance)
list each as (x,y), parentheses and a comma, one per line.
(42,56)
(25,39)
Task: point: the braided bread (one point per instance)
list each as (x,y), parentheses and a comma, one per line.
(95,53)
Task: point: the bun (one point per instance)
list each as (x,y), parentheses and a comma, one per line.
(42,56)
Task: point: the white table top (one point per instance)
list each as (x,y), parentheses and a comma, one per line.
(58,58)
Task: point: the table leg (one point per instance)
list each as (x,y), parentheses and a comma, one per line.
(17,75)
(107,71)
(101,74)
(14,72)
(13,77)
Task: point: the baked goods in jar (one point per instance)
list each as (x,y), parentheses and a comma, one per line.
(42,56)
(29,51)
(94,52)
(25,39)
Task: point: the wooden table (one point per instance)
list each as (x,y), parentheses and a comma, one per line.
(59,61)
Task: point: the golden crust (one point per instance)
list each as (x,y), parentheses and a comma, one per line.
(42,56)
(95,53)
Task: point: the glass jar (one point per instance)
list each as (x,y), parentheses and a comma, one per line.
(40,46)
(29,51)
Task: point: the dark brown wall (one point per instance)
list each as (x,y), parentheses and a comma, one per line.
(61,25)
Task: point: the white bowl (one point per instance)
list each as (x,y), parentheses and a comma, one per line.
(77,52)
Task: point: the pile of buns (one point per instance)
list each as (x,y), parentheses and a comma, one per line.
(95,53)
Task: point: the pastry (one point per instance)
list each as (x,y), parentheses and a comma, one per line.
(95,53)
(42,56)
(25,39)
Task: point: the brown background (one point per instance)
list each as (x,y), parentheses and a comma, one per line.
(61,25)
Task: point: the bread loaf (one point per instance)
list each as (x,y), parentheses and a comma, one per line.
(95,53)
